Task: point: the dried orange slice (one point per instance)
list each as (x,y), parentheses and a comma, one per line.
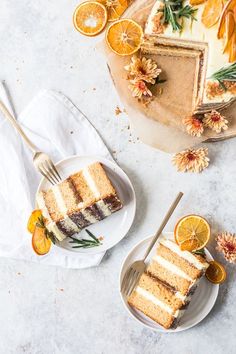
(229,6)
(212,12)
(33,219)
(90,18)
(40,242)
(232,53)
(189,245)
(124,37)
(192,228)
(229,30)
(216,273)
(115,8)
(196,2)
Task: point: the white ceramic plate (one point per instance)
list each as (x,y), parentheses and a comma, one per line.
(201,304)
(114,227)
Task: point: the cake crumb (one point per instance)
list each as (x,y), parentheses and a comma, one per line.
(118,111)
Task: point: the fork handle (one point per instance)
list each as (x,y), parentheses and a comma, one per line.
(14,122)
(163,224)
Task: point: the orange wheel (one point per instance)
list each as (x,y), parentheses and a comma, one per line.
(33,219)
(212,12)
(115,8)
(192,233)
(124,37)
(216,273)
(90,18)
(40,243)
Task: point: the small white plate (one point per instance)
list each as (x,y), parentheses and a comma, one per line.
(201,304)
(114,227)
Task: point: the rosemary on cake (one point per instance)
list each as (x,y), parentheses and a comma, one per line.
(174,11)
(85,243)
(224,75)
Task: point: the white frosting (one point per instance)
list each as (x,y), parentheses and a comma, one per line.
(88,216)
(150,297)
(103,207)
(69,224)
(188,256)
(51,225)
(171,267)
(180,296)
(59,199)
(91,183)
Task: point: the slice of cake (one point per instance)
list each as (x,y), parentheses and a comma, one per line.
(165,289)
(82,199)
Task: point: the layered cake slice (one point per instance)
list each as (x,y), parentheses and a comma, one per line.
(165,289)
(82,199)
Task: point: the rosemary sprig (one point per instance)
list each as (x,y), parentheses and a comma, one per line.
(174,10)
(200,252)
(48,234)
(227,73)
(85,243)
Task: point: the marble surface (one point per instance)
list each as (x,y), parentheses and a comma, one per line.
(48,310)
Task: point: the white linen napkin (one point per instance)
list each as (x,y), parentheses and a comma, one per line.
(58,128)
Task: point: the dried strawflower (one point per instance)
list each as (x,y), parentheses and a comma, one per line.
(143,69)
(215,121)
(139,89)
(226,243)
(194,126)
(191,160)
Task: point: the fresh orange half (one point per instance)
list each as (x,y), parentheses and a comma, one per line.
(90,18)
(216,273)
(40,242)
(192,232)
(115,8)
(212,12)
(124,37)
(33,219)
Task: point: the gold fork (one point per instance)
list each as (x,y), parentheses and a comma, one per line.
(137,268)
(41,161)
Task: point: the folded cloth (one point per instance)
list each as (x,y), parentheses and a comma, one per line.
(58,128)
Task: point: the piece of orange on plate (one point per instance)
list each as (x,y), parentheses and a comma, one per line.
(90,18)
(115,8)
(40,242)
(33,219)
(124,37)
(212,12)
(192,232)
(216,273)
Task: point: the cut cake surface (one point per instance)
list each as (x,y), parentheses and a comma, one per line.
(165,289)
(82,199)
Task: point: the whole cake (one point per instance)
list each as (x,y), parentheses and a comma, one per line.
(82,199)
(165,289)
(208,28)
